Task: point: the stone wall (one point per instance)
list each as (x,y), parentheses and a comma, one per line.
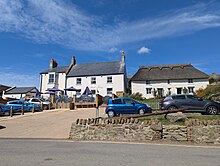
(133,130)
(203,131)
(116,130)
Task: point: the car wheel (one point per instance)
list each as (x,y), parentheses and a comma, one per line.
(212,110)
(45,107)
(141,111)
(111,114)
(172,107)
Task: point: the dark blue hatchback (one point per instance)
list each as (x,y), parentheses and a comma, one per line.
(126,106)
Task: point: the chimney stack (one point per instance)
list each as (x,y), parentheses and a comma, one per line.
(123,57)
(53,64)
(73,60)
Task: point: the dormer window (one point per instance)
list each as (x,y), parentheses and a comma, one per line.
(148,82)
(190,80)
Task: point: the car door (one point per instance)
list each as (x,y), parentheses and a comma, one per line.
(195,103)
(118,106)
(129,106)
(180,101)
(15,105)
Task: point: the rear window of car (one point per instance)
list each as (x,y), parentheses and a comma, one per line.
(116,101)
(179,97)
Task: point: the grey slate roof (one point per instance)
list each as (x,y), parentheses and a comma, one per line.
(171,72)
(3,88)
(58,69)
(19,90)
(98,68)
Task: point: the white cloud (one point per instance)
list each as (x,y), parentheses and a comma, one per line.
(17,79)
(113,50)
(144,50)
(62,22)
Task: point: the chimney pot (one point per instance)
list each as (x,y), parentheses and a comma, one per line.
(73,60)
(53,64)
(123,56)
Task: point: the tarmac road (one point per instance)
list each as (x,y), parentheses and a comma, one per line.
(34,152)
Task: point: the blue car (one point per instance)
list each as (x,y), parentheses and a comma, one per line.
(126,106)
(17,106)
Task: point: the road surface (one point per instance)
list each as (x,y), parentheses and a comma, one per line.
(37,152)
(46,124)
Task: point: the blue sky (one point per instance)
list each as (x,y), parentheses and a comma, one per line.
(151,32)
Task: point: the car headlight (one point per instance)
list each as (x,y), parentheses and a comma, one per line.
(147,105)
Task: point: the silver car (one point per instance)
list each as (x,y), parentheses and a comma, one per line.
(191,102)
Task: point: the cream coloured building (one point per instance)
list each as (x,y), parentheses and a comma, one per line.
(163,80)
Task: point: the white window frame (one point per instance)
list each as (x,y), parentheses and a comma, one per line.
(148,91)
(93,80)
(51,80)
(109,92)
(78,81)
(191,88)
(109,79)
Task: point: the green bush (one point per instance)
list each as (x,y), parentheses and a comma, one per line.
(136,96)
(208,92)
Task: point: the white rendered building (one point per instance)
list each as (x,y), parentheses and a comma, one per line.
(165,80)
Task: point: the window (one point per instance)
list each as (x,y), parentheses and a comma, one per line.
(191,89)
(148,82)
(78,81)
(190,80)
(169,91)
(109,91)
(128,101)
(179,97)
(93,92)
(51,78)
(192,97)
(116,101)
(168,81)
(93,80)
(35,100)
(56,78)
(148,90)
(109,79)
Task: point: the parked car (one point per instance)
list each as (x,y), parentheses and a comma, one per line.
(1,106)
(45,104)
(191,102)
(126,106)
(17,106)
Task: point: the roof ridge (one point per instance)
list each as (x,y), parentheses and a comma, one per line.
(171,66)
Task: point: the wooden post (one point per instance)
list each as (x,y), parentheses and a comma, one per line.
(11,111)
(97,100)
(22,109)
(52,99)
(33,109)
(74,102)
(42,107)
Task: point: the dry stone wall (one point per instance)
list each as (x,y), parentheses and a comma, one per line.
(133,130)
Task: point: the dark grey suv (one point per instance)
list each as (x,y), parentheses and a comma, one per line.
(191,102)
